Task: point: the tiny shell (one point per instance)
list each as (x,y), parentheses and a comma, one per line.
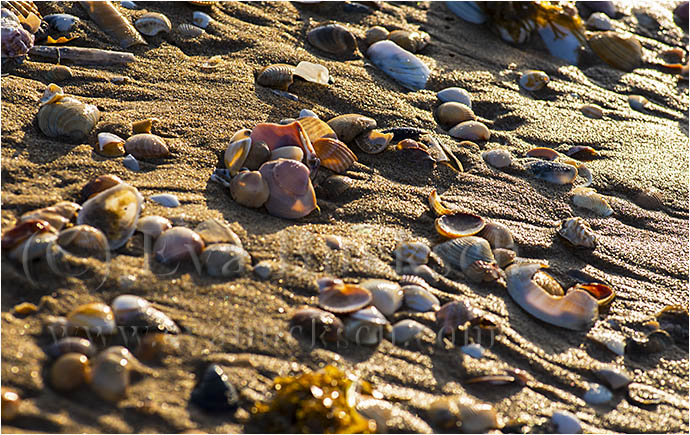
(459,224)
(472,255)
(543,153)
(59,73)
(623,52)
(68,117)
(107,17)
(313,72)
(375,34)
(95,318)
(408,329)
(69,372)
(306,113)
(533,80)
(498,157)
(461,414)
(166,200)
(201,19)
(344,299)
(638,102)
(187,30)
(588,198)
(153,226)
(315,324)
(566,422)
(582,152)
(412,252)
(373,141)
(458,95)
(146,146)
(410,41)
(387,296)
(351,125)
(470,130)
(334,39)
(153,23)
(110,376)
(504,256)
(287,152)
(597,395)
(217,231)
(453,113)
(578,232)
(177,244)
(455,315)
(131,163)
(277,76)
(249,189)
(399,64)
(334,154)
(70,344)
(592,111)
(420,299)
(110,145)
(226,260)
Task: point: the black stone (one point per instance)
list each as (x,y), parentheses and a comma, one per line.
(214,393)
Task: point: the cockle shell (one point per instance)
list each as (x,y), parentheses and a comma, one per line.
(187,30)
(146,146)
(250,189)
(344,298)
(95,317)
(410,41)
(534,80)
(577,310)
(334,39)
(110,145)
(135,311)
(315,324)
(387,296)
(470,130)
(291,192)
(373,141)
(504,256)
(623,52)
(316,128)
(68,117)
(201,19)
(553,172)
(458,224)
(115,212)
(177,244)
(420,299)
(70,371)
(277,76)
(153,23)
(153,226)
(375,34)
(588,198)
(370,314)
(226,260)
(453,113)
(455,94)
(59,73)
(399,64)
(292,134)
(498,235)
(472,255)
(334,154)
(351,125)
(98,185)
(16,41)
(110,376)
(498,157)
(592,111)
(578,232)
(83,240)
(109,19)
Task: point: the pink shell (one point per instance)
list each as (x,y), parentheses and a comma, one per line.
(16,41)
(291,192)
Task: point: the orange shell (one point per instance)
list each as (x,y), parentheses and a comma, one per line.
(334,154)
(146,146)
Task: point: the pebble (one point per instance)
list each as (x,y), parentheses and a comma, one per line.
(598,394)
(25,308)
(474,350)
(214,392)
(334,242)
(263,270)
(455,94)
(566,422)
(592,111)
(166,200)
(131,163)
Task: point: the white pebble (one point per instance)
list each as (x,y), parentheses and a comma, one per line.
(566,422)
(334,242)
(166,200)
(131,163)
(306,113)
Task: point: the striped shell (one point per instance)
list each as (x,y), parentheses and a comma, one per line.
(59,73)
(592,111)
(470,130)
(316,128)
(16,41)
(277,76)
(333,38)
(187,30)
(578,232)
(153,23)
(146,146)
(109,19)
(334,154)
(588,198)
(498,236)
(351,125)
(472,255)
(68,117)
(345,298)
(623,52)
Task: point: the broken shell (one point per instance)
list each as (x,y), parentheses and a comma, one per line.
(553,172)
(131,163)
(137,312)
(143,126)
(153,23)
(577,310)
(110,376)
(373,141)
(249,189)
(313,72)
(98,185)
(582,152)
(386,295)
(410,41)
(470,130)
(226,260)
(10,404)
(498,236)
(201,19)
(547,283)
(344,299)
(623,52)
(291,192)
(459,414)
(588,198)
(71,345)
(29,239)
(614,378)
(363,332)
(412,253)
(217,231)
(187,30)
(95,317)
(408,329)
(638,102)
(153,226)
(399,64)
(566,422)
(59,73)
(292,134)
(114,211)
(578,232)
(146,146)
(351,125)
(334,39)
(334,154)
(420,299)
(315,324)
(504,256)
(459,224)
(68,117)
(375,34)
(654,342)
(259,153)
(277,76)
(110,145)
(236,154)
(472,255)
(70,371)
(453,113)
(459,95)
(166,200)
(592,111)
(543,153)
(214,392)
(533,80)
(498,158)
(287,152)
(108,18)
(83,240)
(177,244)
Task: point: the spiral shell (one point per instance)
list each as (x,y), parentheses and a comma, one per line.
(334,154)
(470,130)
(146,146)
(108,18)
(291,192)
(351,125)
(249,189)
(68,117)
(588,198)
(334,39)
(277,76)
(410,41)
(153,23)
(16,41)
(623,52)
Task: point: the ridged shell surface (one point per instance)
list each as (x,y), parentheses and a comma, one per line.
(146,146)
(109,19)
(153,23)
(277,76)
(577,232)
(351,125)
(623,52)
(399,64)
(334,154)
(68,117)
(333,38)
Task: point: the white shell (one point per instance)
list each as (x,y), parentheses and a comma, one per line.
(566,422)
(131,163)
(533,80)
(124,303)
(289,152)
(498,157)
(470,130)
(166,200)
(153,23)
(370,314)
(312,72)
(201,19)
(588,198)
(406,330)
(362,332)
(306,113)
(399,64)
(459,95)
(474,350)
(420,299)
(387,296)
(412,253)
(578,232)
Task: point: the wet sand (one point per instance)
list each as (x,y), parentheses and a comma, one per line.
(243,323)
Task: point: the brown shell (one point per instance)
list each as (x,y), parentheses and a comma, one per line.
(334,154)
(27,13)
(143,126)
(375,34)
(623,52)
(109,19)
(459,224)
(582,152)
(59,73)
(276,76)
(410,41)
(83,239)
(351,125)
(373,142)
(333,38)
(146,146)
(577,232)
(98,185)
(543,153)
(48,214)
(23,230)
(176,243)
(316,128)
(453,113)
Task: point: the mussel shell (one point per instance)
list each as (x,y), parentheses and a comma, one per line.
(387,296)
(249,189)
(399,64)
(459,224)
(373,142)
(344,299)
(315,324)
(68,117)
(147,146)
(333,38)
(351,125)
(623,52)
(177,244)
(214,392)
(277,76)
(226,260)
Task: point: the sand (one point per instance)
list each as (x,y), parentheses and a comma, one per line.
(243,323)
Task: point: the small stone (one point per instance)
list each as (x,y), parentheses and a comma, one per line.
(131,163)
(263,270)
(474,350)
(334,242)
(214,392)
(217,231)
(598,394)
(69,371)
(566,422)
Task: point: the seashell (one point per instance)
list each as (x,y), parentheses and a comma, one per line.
(420,299)
(316,128)
(259,153)
(98,185)
(110,145)
(674,320)
(59,73)
(334,39)
(277,76)
(399,64)
(468,11)
(226,260)
(351,125)
(153,23)
(344,299)
(553,172)
(504,256)
(533,80)
(581,152)
(638,102)
(11,403)
(474,350)
(470,130)
(455,315)
(386,295)
(153,226)
(24,230)
(410,41)
(177,244)
(498,236)
(543,153)
(650,199)
(313,72)
(51,94)
(70,371)
(512,377)
(16,41)
(336,185)
(306,113)
(143,126)
(373,141)
(67,117)
(370,314)
(146,146)
(566,422)
(277,136)
(130,163)
(154,346)
(249,189)
(563,40)
(334,242)
(405,330)
(137,312)
(166,200)
(334,154)
(644,395)
(110,376)
(287,152)
(95,317)
(459,224)
(109,19)
(472,255)
(577,310)
(315,324)
(547,283)
(599,21)
(597,395)
(214,392)
(453,113)
(263,270)
(577,232)
(614,378)
(70,345)
(622,52)
(129,5)
(375,34)
(390,418)
(455,414)
(592,111)
(655,342)
(187,30)
(498,158)
(613,341)
(217,231)
(454,94)
(201,19)
(48,214)
(114,211)
(588,198)
(236,154)
(61,22)
(412,253)
(363,332)
(291,192)
(83,240)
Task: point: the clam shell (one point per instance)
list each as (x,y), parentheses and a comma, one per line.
(553,172)
(638,102)
(420,299)
(217,231)
(277,76)
(70,344)
(236,153)
(226,260)
(543,153)
(333,38)
(468,11)
(287,152)
(406,330)
(578,232)
(472,255)
(387,296)
(153,226)
(455,94)
(588,198)
(459,224)
(51,94)
(344,299)
(592,111)
(109,19)
(371,314)
(292,134)
(498,158)
(313,72)
(566,422)
(306,113)
(95,317)
(410,41)
(649,198)
(315,324)
(470,130)
(146,146)
(153,23)
(187,30)
(399,64)
(623,52)
(334,154)
(316,128)
(214,392)
(68,117)
(177,244)
(453,113)
(498,235)
(412,252)
(137,312)
(201,19)
(454,315)
(48,214)
(375,34)
(581,152)
(373,141)
(249,189)
(59,73)
(115,212)
(534,80)
(23,230)
(69,372)
(351,125)
(110,376)
(291,192)
(110,145)
(83,240)
(363,332)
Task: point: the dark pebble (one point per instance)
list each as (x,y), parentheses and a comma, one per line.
(214,393)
